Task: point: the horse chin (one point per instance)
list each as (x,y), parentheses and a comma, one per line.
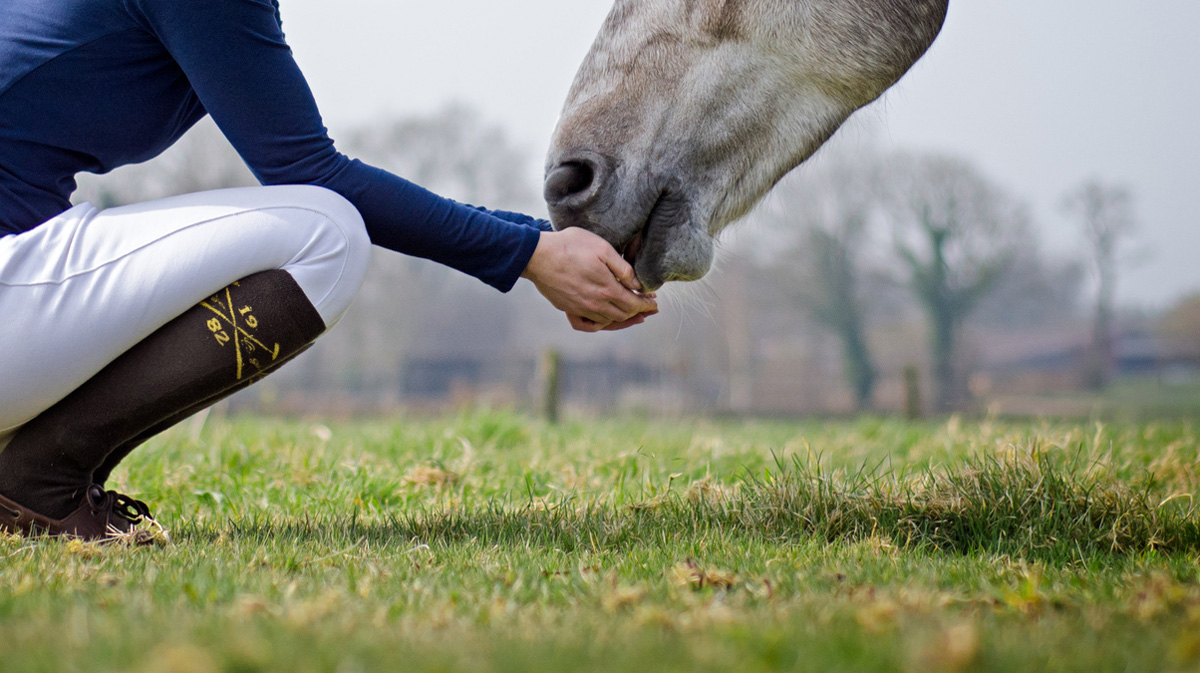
(669,247)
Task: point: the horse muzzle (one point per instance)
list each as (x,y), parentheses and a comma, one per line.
(648,220)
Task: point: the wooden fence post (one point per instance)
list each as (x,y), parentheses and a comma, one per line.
(551,366)
(912,394)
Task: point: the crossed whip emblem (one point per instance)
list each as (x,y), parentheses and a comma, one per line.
(245,344)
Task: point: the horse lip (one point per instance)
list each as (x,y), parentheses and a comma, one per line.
(648,245)
(633,247)
(636,243)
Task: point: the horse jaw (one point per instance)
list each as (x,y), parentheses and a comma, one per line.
(686,112)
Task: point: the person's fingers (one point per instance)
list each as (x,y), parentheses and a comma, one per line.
(614,303)
(620,268)
(630,304)
(581,324)
(623,297)
(635,320)
(604,311)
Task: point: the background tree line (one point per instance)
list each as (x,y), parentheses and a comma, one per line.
(868,250)
(868,232)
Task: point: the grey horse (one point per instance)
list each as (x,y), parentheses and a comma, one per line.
(685,113)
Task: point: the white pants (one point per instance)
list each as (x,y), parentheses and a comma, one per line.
(86,286)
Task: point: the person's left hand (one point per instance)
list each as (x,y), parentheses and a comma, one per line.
(585,325)
(583,276)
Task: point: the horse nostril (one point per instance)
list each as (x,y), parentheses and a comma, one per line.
(569,179)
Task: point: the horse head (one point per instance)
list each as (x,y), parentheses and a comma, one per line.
(685,113)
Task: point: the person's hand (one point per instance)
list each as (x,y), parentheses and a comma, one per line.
(583,276)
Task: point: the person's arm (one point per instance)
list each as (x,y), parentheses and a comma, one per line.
(234,55)
(517,218)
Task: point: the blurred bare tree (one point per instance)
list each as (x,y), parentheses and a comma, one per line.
(956,234)
(829,211)
(1106,216)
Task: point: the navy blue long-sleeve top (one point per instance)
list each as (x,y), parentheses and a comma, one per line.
(90,85)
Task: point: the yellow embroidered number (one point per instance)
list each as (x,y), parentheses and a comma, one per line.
(251,321)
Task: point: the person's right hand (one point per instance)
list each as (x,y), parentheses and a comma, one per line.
(583,276)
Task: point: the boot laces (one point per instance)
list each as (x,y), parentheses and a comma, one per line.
(131,509)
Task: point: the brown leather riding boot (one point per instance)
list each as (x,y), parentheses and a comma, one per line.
(103,515)
(102,473)
(223,344)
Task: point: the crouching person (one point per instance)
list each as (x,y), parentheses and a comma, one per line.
(119,323)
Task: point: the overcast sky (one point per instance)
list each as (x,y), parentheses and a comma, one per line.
(1040,93)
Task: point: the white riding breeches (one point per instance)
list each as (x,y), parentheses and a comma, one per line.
(84,287)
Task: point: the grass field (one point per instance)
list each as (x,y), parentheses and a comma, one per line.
(489,542)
